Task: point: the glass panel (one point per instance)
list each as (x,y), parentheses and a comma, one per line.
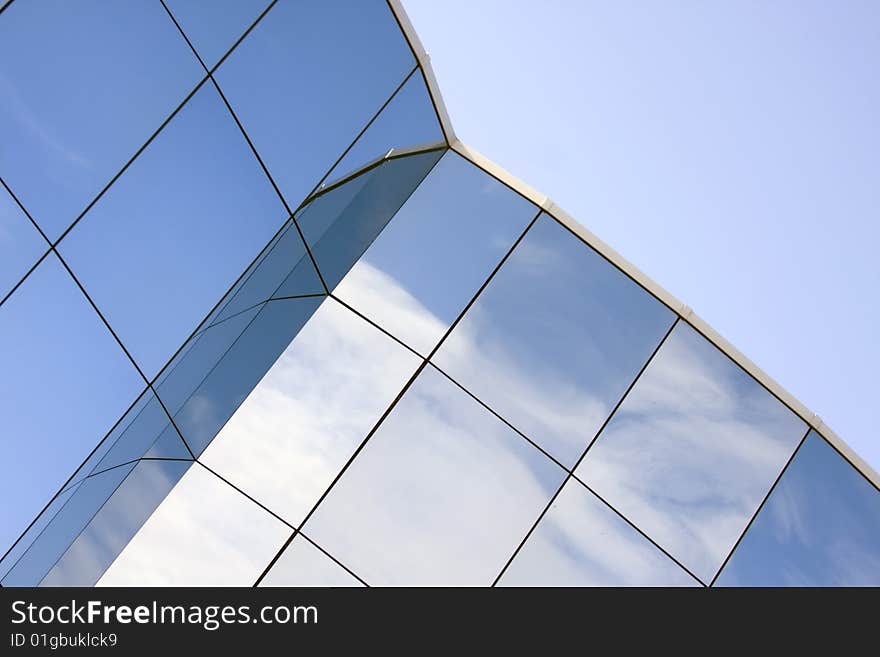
(820,527)
(299,426)
(343,221)
(144,430)
(20,243)
(308,78)
(82,86)
(214,26)
(40,523)
(408,120)
(431,259)
(61,530)
(692,451)
(283,261)
(555,339)
(302,564)
(121,517)
(581,542)
(441,494)
(205,533)
(175,230)
(65,381)
(210,382)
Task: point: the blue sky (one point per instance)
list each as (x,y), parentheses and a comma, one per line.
(730,150)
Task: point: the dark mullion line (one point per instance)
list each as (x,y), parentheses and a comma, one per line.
(243,277)
(337,561)
(345,467)
(760,506)
(121,344)
(587,449)
(24,278)
(137,460)
(502,419)
(26,213)
(636,527)
(250,144)
(402,392)
(3,8)
(250,497)
(242,37)
(130,161)
(376,326)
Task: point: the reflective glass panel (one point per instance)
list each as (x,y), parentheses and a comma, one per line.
(117,521)
(442,493)
(581,542)
(82,86)
(307,79)
(820,527)
(285,263)
(214,26)
(20,243)
(176,229)
(205,533)
(40,523)
(692,451)
(344,220)
(213,379)
(435,254)
(64,383)
(298,427)
(555,339)
(303,564)
(63,527)
(409,120)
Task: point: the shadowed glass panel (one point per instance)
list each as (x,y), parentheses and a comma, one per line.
(298,427)
(302,564)
(117,521)
(308,78)
(555,339)
(436,253)
(692,451)
(63,527)
(20,243)
(581,542)
(440,495)
(343,221)
(175,230)
(214,26)
(820,527)
(221,385)
(205,533)
(64,383)
(29,536)
(82,86)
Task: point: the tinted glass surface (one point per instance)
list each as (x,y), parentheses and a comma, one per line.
(692,451)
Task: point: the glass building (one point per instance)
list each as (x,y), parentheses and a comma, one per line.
(284,328)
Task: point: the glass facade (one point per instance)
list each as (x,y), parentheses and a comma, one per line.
(263,321)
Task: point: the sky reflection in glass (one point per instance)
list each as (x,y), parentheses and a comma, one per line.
(431,259)
(820,527)
(555,339)
(441,495)
(692,451)
(581,542)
